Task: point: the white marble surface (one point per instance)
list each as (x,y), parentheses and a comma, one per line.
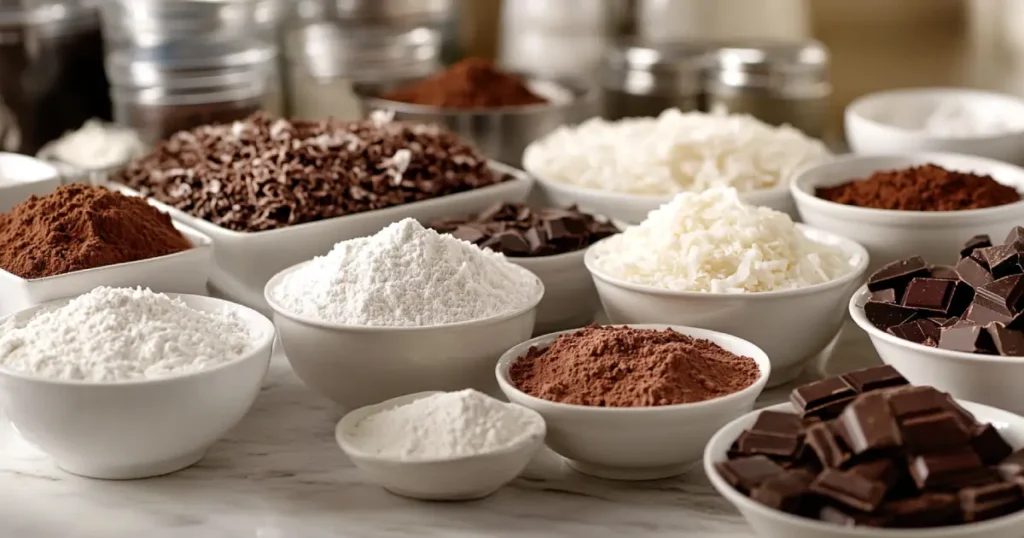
(279,474)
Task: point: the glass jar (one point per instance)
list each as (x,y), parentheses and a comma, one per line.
(51,72)
(149,23)
(643,80)
(161,90)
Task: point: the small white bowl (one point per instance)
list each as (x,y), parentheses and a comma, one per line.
(357,365)
(987,379)
(891,235)
(636,443)
(570,299)
(22,176)
(245,261)
(771,523)
(450,479)
(791,326)
(867,132)
(137,429)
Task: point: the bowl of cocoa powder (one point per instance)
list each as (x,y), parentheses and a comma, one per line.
(919,204)
(633,402)
(500,112)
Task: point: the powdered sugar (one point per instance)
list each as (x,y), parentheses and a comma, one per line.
(445,425)
(118,334)
(406,276)
(675,152)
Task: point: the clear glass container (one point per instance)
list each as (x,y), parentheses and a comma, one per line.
(149,23)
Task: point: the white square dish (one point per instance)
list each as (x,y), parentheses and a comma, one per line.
(22,176)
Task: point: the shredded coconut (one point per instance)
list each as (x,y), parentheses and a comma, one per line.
(713,242)
(119,334)
(675,152)
(96,145)
(406,276)
(445,425)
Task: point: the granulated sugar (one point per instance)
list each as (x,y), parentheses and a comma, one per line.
(713,242)
(445,425)
(119,334)
(406,276)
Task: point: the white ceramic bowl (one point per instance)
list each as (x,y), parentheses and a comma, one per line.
(22,176)
(357,365)
(868,133)
(570,299)
(770,523)
(181,272)
(890,235)
(246,261)
(636,443)
(448,479)
(137,429)
(987,379)
(791,326)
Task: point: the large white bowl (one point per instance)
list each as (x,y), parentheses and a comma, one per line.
(770,523)
(245,261)
(791,326)
(570,299)
(357,365)
(181,272)
(867,132)
(636,443)
(448,479)
(987,379)
(137,429)
(22,176)
(891,235)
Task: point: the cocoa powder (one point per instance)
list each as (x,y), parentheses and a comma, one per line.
(608,366)
(921,188)
(81,227)
(471,83)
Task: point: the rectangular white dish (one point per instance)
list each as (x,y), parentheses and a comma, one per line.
(245,261)
(22,176)
(181,272)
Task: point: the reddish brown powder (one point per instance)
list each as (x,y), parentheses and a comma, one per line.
(608,366)
(471,83)
(922,188)
(82,227)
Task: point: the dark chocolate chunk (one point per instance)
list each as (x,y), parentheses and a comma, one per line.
(847,517)
(1008,342)
(1002,260)
(897,274)
(990,501)
(933,432)
(883,471)
(1005,296)
(831,451)
(973,273)
(1015,237)
(747,473)
(778,423)
(873,378)
(849,489)
(944,272)
(788,491)
(825,398)
(885,315)
(929,294)
(989,445)
(926,510)
(950,470)
(468,233)
(753,443)
(983,315)
(965,417)
(976,242)
(966,337)
(919,331)
(884,296)
(909,402)
(868,425)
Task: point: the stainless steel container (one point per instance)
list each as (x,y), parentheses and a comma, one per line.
(500,133)
(643,80)
(148,23)
(776,81)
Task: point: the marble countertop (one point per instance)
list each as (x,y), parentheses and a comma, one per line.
(279,474)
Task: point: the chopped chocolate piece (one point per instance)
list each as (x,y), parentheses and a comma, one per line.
(897,274)
(909,402)
(1013,466)
(978,257)
(944,272)
(919,331)
(868,425)
(926,510)
(884,296)
(787,491)
(1008,342)
(965,417)
(831,451)
(933,432)
(825,398)
(777,423)
(965,337)
(734,451)
(885,315)
(468,233)
(847,517)
(883,471)
(983,315)
(1015,237)
(753,443)
(973,273)
(747,473)
(849,489)
(990,501)
(976,242)
(1002,260)
(1005,296)
(929,294)
(989,445)
(950,470)
(873,378)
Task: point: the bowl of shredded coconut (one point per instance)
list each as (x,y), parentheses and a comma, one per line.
(404,310)
(123,383)
(624,169)
(709,260)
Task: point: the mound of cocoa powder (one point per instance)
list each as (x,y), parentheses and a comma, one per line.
(469,84)
(608,366)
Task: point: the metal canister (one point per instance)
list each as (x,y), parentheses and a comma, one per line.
(778,82)
(643,80)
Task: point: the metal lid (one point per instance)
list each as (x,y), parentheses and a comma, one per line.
(186,63)
(772,65)
(655,68)
(328,51)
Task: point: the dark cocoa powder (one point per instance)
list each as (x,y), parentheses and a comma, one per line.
(471,83)
(608,366)
(83,227)
(922,188)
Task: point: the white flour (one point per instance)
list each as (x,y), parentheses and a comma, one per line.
(445,425)
(118,334)
(406,276)
(96,145)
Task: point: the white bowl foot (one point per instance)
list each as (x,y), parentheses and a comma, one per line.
(628,473)
(432,496)
(132,471)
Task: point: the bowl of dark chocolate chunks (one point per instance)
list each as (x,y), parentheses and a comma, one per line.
(868,450)
(958,328)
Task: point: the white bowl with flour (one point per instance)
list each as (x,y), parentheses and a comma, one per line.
(131,410)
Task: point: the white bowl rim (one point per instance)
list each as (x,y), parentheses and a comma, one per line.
(848,245)
(764,367)
(582,94)
(279,310)
(802,194)
(348,422)
(264,344)
(829,529)
(855,108)
(861,319)
(28,160)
